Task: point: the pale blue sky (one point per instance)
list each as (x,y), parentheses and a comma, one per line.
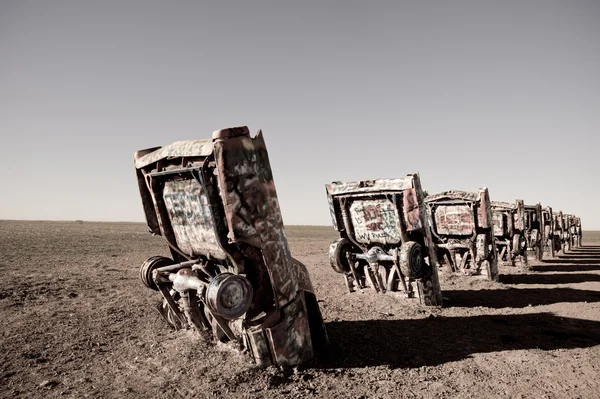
(469,93)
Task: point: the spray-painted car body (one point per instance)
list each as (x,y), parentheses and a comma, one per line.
(503,216)
(573,226)
(232,276)
(509,221)
(578,232)
(463,233)
(385,239)
(551,240)
(561,229)
(533,229)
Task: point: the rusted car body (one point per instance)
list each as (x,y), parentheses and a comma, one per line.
(533,229)
(463,234)
(502,214)
(508,231)
(578,232)
(573,224)
(385,239)
(231,276)
(551,240)
(562,231)
(568,235)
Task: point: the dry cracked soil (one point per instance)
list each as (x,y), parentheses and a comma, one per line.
(77,322)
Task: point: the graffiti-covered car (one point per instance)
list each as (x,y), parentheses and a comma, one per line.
(503,217)
(231,275)
(578,232)
(561,230)
(509,230)
(551,240)
(574,227)
(520,226)
(533,229)
(463,234)
(385,239)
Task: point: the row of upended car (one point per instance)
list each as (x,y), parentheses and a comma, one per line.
(231,275)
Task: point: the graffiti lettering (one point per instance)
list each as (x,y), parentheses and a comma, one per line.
(375,221)
(188,209)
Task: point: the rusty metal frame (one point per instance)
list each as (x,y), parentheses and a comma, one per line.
(468,248)
(509,240)
(371,256)
(548,224)
(215,204)
(534,231)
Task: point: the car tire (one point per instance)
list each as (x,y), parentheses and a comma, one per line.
(149,266)
(337,255)
(412,261)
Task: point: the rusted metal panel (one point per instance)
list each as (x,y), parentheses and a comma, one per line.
(429,288)
(252,208)
(191,218)
(454,220)
(365,186)
(484,211)
(290,345)
(501,205)
(453,195)
(412,209)
(179,149)
(375,221)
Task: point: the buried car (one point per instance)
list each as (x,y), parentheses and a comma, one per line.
(533,229)
(502,214)
(551,239)
(575,231)
(231,276)
(578,232)
(561,232)
(508,231)
(385,239)
(463,234)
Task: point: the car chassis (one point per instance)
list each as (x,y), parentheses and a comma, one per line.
(385,239)
(463,232)
(231,276)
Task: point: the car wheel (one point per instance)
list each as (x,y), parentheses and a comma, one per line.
(412,262)
(149,266)
(337,255)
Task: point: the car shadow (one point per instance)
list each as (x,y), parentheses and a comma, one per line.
(562,278)
(595,250)
(588,260)
(438,340)
(565,267)
(579,259)
(517,297)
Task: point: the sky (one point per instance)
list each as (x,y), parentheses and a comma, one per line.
(504,95)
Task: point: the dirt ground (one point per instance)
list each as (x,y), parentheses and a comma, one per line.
(77,322)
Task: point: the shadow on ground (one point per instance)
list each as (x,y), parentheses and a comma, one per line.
(566,267)
(562,278)
(577,260)
(518,297)
(438,340)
